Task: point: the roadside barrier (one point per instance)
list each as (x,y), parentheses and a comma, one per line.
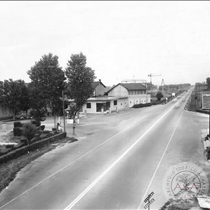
(25,149)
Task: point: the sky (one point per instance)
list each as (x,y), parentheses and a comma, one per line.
(121,39)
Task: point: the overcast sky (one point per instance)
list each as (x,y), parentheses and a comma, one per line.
(121,40)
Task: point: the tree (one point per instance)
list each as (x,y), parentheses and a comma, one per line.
(208,83)
(47,84)
(80,79)
(37,103)
(159,95)
(25,105)
(14,95)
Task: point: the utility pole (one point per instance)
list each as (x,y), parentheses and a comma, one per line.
(64,120)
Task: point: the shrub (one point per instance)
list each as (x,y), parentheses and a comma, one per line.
(159,95)
(36,123)
(29,131)
(17,124)
(17,131)
(141,105)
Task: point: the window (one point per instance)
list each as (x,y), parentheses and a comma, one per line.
(115,102)
(88,105)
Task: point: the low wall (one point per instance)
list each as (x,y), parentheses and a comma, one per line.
(25,149)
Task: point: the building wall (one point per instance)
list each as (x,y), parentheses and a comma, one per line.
(118,91)
(122,103)
(115,105)
(92,109)
(5,113)
(99,90)
(139,99)
(134,97)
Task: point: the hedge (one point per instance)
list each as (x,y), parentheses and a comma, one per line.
(25,149)
(141,105)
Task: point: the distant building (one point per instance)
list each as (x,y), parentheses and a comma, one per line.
(174,88)
(118,97)
(135,92)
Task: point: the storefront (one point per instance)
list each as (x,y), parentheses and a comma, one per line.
(105,104)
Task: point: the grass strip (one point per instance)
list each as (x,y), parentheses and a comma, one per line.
(9,169)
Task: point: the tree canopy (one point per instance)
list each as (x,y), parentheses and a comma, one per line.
(80,79)
(47,84)
(14,95)
(159,95)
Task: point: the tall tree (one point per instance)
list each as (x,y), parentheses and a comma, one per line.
(80,79)
(14,95)
(47,84)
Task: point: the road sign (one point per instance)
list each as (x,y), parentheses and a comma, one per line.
(149,196)
(149,203)
(206,101)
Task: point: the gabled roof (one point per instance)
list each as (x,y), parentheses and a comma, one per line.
(96,83)
(133,86)
(129,86)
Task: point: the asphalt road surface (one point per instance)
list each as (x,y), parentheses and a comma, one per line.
(115,167)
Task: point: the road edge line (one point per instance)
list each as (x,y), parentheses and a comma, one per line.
(159,162)
(82,194)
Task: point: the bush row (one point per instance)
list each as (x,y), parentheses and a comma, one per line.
(23,150)
(141,105)
(154,102)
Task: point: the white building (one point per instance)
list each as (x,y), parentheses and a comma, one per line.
(105,104)
(119,97)
(136,93)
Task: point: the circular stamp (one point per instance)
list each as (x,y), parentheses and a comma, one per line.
(185,180)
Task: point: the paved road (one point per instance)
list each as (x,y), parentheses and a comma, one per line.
(113,167)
